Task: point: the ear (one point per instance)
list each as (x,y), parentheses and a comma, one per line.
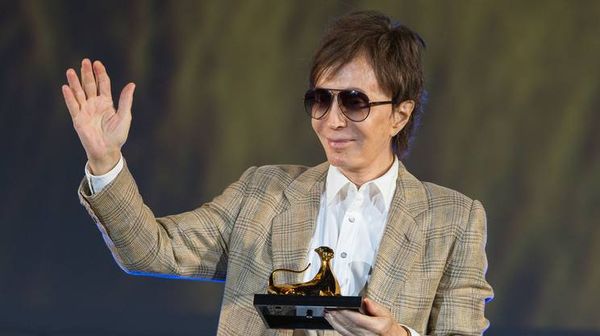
(401,115)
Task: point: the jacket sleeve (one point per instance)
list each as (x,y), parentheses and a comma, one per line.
(458,307)
(192,244)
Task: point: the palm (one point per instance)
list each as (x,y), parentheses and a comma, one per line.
(102,130)
(99,127)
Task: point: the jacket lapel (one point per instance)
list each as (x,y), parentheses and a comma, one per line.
(401,242)
(293,228)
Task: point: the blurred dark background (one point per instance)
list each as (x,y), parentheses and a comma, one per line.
(512,120)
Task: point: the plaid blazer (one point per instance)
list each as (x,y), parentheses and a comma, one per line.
(429,270)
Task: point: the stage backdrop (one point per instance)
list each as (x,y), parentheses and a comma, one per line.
(512,120)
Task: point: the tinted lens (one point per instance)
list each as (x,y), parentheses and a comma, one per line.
(355,104)
(317,102)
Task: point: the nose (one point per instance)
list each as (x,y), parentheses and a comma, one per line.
(335,117)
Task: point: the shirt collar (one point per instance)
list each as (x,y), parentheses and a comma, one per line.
(386,183)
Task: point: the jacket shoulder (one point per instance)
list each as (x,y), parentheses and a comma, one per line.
(283,172)
(274,179)
(439,196)
(447,209)
(271,175)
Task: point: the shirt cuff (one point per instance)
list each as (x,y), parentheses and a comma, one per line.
(411,332)
(98,182)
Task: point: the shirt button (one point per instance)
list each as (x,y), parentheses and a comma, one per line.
(351,219)
(343,255)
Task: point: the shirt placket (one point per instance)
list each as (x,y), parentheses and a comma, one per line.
(347,238)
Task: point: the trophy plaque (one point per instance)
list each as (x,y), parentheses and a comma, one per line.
(302,305)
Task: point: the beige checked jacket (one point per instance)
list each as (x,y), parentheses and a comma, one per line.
(429,270)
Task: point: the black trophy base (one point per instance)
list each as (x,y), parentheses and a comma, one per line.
(301,312)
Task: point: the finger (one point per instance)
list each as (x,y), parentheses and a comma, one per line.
(337,324)
(350,317)
(375,324)
(102,79)
(126,100)
(87,77)
(70,100)
(75,86)
(375,309)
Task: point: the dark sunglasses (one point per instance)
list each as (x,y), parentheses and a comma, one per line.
(354,104)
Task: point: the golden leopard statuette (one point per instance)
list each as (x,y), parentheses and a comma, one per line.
(323,283)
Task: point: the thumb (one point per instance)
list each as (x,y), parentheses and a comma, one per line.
(126,100)
(373,308)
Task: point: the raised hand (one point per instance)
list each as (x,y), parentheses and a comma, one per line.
(102,130)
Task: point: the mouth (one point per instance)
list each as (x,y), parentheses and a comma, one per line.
(338,142)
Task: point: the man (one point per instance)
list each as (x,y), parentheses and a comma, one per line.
(414,250)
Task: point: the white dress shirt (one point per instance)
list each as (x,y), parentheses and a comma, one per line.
(351,221)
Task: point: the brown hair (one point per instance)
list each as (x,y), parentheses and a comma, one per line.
(394,52)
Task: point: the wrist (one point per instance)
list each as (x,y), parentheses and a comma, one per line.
(103,165)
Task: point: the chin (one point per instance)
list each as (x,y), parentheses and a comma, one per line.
(339,160)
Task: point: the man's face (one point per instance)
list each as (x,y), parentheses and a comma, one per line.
(362,148)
